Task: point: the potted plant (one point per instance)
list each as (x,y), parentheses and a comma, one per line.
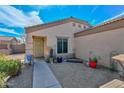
(51,59)
(93,62)
(94,59)
(59,59)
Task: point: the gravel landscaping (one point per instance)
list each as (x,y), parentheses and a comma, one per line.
(23,80)
(16,56)
(70,75)
(77,75)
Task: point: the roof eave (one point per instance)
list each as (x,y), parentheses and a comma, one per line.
(47,25)
(119,23)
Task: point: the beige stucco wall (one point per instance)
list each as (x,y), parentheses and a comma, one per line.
(102,44)
(64,30)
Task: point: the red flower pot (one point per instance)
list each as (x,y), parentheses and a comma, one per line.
(92,64)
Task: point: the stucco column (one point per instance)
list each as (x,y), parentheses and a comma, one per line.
(29,45)
(8,46)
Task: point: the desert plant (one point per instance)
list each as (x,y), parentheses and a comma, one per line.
(47,59)
(2,82)
(94,59)
(2,57)
(51,53)
(14,67)
(51,59)
(10,67)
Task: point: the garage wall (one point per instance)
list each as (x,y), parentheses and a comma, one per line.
(102,44)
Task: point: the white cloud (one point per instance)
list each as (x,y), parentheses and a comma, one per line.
(119,15)
(14,17)
(93,10)
(93,21)
(34,18)
(11,31)
(39,7)
(34,13)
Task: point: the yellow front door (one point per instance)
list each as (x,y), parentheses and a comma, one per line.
(38,47)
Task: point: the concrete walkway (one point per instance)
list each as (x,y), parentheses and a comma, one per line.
(43,77)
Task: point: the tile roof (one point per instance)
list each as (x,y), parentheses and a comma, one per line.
(51,24)
(106,26)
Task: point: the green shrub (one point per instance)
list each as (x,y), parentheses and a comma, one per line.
(14,67)
(10,67)
(2,82)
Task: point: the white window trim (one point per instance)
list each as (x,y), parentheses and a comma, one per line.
(62,45)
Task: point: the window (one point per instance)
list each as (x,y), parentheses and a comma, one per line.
(79,26)
(74,24)
(62,45)
(84,27)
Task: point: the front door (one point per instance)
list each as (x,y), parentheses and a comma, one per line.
(38,47)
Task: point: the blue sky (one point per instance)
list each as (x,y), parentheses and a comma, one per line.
(13,19)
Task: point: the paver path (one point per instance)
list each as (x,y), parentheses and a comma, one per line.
(43,76)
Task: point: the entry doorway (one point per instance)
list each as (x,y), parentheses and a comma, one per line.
(38,47)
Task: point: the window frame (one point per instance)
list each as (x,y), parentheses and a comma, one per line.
(62,38)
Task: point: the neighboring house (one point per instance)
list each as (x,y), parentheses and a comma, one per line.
(6,43)
(73,36)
